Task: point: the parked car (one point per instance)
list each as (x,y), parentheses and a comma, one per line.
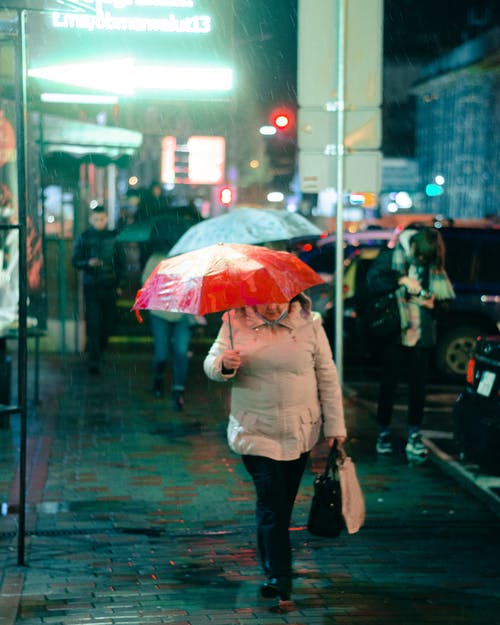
(321,256)
(476,413)
(472,264)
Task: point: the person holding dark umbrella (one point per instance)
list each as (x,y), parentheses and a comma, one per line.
(285,391)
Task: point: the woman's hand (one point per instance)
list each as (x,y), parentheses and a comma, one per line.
(330,440)
(231,360)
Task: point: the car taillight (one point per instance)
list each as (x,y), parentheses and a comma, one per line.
(470,371)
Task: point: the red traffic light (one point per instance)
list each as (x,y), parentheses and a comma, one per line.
(226,196)
(282,119)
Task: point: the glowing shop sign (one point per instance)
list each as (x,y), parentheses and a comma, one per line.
(194,24)
(200,161)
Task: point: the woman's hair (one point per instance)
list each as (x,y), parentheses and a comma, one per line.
(304,300)
(429,246)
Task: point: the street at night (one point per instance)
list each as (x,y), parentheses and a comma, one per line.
(138,514)
(241,240)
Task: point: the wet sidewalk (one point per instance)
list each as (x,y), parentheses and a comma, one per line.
(140,515)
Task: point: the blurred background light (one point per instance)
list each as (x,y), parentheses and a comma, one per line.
(126,77)
(275,196)
(267,131)
(78,98)
(433,190)
(403,200)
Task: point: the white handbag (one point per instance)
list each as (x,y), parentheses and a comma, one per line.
(353,500)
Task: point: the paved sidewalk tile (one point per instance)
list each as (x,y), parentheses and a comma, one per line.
(139,515)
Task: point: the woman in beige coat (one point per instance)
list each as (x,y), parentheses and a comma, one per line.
(285,391)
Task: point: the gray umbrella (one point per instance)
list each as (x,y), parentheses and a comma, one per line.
(245,225)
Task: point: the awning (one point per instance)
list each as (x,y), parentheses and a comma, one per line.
(81,139)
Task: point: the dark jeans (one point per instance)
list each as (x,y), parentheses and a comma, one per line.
(171,341)
(397,359)
(100,317)
(276,484)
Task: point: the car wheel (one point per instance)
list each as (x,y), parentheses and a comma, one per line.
(453,350)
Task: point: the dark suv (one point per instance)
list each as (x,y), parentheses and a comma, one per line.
(472,263)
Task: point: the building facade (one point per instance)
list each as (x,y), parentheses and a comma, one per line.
(458,130)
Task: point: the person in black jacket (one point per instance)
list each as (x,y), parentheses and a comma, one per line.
(102,262)
(414,270)
(153,203)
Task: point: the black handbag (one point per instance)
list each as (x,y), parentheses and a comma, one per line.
(325,514)
(382,316)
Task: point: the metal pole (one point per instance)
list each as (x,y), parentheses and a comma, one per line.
(339,217)
(62,280)
(21,108)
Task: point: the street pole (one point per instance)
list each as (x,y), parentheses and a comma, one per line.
(339,91)
(22,184)
(339,215)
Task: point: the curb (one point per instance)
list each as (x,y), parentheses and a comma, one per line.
(479,485)
(474,483)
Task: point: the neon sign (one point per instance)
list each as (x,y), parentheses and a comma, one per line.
(136,48)
(128,15)
(195,24)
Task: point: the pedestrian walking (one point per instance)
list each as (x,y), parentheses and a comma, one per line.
(285,390)
(414,269)
(153,203)
(171,333)
(102,262)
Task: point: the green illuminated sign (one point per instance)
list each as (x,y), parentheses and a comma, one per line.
(135,48)
(197,24)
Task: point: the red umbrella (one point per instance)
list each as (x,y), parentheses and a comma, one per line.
(223,276)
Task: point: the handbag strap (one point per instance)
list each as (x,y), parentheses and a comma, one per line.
(331,461)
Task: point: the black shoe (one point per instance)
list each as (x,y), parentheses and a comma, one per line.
(276,587)
(177,401)
(157,389)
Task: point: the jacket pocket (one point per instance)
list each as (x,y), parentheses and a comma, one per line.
(309,417)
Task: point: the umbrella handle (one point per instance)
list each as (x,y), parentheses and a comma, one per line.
(230,330)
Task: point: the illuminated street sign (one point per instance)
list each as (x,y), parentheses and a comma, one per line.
(136,48)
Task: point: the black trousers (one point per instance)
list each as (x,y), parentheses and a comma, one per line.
(414,362)
(100,318)
(276,485)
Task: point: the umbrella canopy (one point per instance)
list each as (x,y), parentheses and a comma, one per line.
(224,276)
(245,225)
(165,229)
